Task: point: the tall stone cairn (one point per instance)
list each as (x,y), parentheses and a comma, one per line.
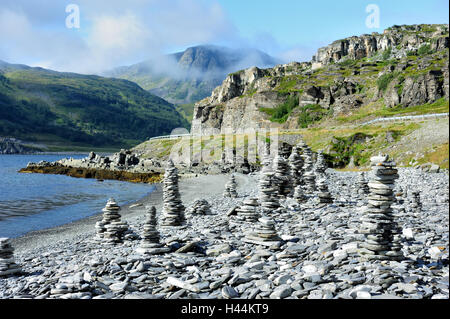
(231,188)
(111,228)
(323,193)
(173,209)
(361,184)
(296,166)
(321,165)
(309,177)
(150,236)
(248,212)
(382,234)
(415,205)
(7,264)
(299,196)
(268,197)
(283,183)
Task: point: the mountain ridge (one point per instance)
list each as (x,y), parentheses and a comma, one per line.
(192,74)
(45,105)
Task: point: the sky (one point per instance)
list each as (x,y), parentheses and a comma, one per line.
(112,33)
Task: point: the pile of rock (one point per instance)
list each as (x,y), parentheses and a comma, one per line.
(248,212)
(173,209)
(150,236)
(382,235)
(324,194)
(361,184)
(296,165)
(231,188)
(283,184)
(111,229)
(415,205)
(7,264)
(299,196)
(321,164)
(268,198)
(199,207)
(309,177)
(264,233)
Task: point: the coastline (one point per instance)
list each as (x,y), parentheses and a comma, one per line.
(190,189)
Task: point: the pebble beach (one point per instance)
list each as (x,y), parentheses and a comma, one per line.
(316,254)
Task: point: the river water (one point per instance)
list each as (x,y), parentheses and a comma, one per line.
(30,202)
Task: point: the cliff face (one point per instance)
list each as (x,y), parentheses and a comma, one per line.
(405,66)
(400,39)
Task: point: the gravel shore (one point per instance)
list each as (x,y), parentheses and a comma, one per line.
(316,259)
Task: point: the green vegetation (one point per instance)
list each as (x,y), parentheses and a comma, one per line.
(386,54)
(186,110)
(343,149)
(310,114)
(424,50)
(281,113)
(384,80)
(80,110)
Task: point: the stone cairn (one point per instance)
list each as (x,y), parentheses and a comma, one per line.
(231,188)
(415,205)
(264,233)
(150,236)
(296,166)
(111,228)
(199,207)
(299,196)
(283,184)
(248,211)
(268,198)
(321,165)
(382,235)
(173,209)
(309,177)
(361,184)
(324,194)
(7,264)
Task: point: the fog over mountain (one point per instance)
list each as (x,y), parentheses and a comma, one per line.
(191,75)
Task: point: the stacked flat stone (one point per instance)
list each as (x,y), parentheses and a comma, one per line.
(248,212)
(282,181)
(150,236)
(321,164)
(382,234)
(111,228)
(7,264)
(309,177)
(264,233)
(299,196)
(199,207)
(296,166)
(415,205)
(231,188)
(268,197)
(323,193)
(363,188)
(173,209)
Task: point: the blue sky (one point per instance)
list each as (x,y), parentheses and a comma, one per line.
(117,32)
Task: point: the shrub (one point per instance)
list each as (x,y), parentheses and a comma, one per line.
(310,114)
(384,80)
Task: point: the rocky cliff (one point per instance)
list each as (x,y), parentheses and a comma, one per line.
(403,68)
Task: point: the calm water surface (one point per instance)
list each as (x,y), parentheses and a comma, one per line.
(31,202)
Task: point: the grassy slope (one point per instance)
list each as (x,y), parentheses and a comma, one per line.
(84,111)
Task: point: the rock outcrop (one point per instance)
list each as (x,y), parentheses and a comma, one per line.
(405,65)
